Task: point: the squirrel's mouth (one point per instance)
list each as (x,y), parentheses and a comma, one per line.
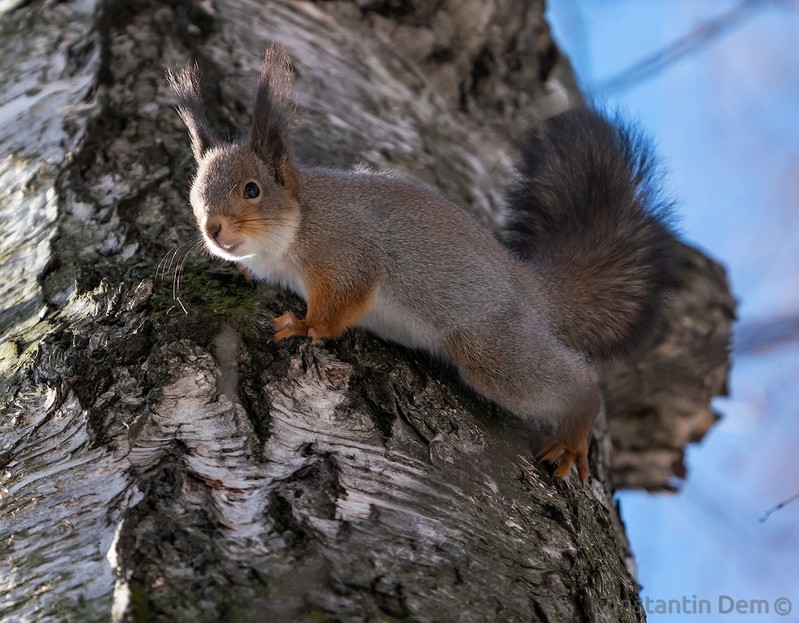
(223,248)
(227,247)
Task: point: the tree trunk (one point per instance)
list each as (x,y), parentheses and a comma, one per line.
(161,458)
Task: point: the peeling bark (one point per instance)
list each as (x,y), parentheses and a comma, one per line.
(161,459)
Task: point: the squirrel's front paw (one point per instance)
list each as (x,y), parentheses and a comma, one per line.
(245,274)
(288,325)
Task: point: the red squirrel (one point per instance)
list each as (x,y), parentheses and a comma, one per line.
(580,276)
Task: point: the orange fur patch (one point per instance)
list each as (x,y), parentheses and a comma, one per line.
(331,311)
(568,446)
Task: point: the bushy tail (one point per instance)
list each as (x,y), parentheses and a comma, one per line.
(586,213)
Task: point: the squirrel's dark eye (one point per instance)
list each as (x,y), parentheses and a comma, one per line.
(251,190)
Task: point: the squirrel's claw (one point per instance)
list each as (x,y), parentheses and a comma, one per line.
(288,325)
(565,457)
(245,273)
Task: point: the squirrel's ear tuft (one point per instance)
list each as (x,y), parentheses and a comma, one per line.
(186,85)
(274,112)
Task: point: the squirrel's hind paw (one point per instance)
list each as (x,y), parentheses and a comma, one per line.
(564,457)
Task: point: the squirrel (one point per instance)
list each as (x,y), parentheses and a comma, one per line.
(584,268)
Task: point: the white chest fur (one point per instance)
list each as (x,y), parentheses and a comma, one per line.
(269,258)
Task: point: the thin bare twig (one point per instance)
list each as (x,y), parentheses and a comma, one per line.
(700,36)
(774,509)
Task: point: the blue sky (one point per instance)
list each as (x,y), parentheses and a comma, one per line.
(725,119)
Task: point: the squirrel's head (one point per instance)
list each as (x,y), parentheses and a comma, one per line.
(245,194)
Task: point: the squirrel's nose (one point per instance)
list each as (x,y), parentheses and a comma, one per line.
(213,226)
